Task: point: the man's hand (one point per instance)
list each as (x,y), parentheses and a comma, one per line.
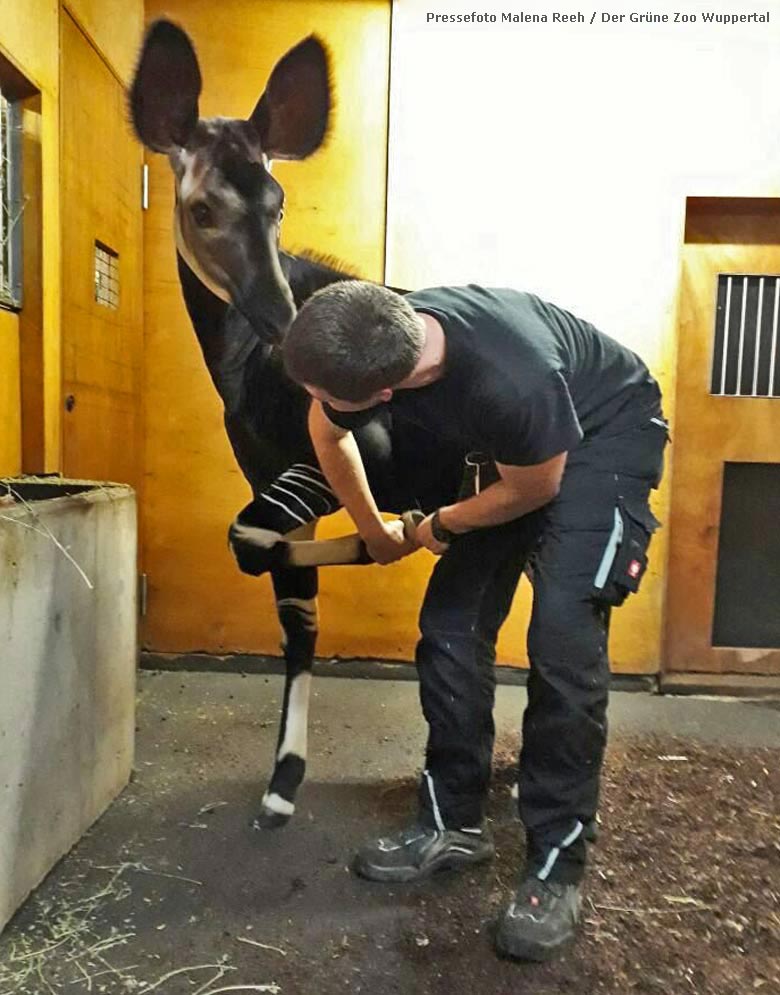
(425,538)
(387,543)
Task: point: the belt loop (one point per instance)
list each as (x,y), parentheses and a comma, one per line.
(474,462)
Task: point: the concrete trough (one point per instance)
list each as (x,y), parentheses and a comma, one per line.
(68,655)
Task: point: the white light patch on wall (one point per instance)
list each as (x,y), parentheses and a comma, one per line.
(557,157)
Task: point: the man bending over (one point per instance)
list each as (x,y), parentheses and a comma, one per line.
(570,422)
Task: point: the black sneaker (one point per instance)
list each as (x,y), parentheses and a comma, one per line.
(418,851)
(540,921)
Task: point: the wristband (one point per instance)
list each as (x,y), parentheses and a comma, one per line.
(440,532)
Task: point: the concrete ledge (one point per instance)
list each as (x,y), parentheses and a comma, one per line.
(733,685)
(362,669)
(68,650)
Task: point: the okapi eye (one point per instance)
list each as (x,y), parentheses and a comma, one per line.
(201,215)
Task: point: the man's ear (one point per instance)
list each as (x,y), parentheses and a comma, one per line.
(385,395)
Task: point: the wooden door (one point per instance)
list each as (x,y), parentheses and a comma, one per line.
(723,592)
(102,277)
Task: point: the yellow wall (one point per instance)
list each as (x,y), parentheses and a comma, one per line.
(10,400)
(29,39)
(114,27)
(31,326)
(576,238)
(335,203)
(30,346)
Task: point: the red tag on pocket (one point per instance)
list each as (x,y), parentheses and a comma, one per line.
(633,569)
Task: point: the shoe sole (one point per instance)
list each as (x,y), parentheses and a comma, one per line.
(529,951)
(404,875)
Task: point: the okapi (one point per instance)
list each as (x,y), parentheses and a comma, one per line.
(241,293)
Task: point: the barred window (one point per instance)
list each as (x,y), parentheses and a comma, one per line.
(745,355)
(10,203)
(106,276)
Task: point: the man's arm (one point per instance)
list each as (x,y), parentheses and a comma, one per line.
(342,464)
(520,490)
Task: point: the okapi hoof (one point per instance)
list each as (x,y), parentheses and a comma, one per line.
(266,819)
(274,813)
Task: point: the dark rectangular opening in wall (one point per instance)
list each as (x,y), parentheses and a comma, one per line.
(747,590)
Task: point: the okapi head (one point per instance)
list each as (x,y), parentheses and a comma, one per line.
(228,206)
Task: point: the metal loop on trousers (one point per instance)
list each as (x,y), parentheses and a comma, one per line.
(471,476)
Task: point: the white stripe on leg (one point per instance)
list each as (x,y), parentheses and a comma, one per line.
(296,726)
(275,803)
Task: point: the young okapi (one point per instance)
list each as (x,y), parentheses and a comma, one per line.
(241,292)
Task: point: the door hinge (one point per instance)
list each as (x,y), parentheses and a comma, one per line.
(143,594)
(145,187)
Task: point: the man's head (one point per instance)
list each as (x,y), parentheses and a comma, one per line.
(353,342)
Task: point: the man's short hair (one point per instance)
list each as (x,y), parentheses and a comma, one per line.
(353,339)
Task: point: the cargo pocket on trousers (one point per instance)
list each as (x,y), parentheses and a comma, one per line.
(625,557)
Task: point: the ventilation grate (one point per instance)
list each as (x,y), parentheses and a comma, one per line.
(106,276)
(745,356)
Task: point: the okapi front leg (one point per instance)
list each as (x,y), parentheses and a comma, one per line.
(267,535)
(260,535)
(288,509)
(296,603)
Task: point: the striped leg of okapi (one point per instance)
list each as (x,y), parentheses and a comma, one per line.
(284,510)
(289,508)
(296,602)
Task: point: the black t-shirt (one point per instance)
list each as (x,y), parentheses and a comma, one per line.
(523,380)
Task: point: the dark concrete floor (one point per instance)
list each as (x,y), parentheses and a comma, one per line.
(174,865)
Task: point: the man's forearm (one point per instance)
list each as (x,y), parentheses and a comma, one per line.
(497,504)
(342,464)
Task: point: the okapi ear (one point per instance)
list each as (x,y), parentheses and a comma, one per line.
(163,97)
(291,117)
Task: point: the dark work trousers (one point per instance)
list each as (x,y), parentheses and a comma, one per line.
(569,546)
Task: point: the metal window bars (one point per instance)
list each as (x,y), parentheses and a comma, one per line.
(11,204)
(106,276)
(745,354)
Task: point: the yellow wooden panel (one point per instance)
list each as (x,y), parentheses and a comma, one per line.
(712,430)
(31,315)
(114,27)
(10,400)
(29,37)
(101,347)
(52,283)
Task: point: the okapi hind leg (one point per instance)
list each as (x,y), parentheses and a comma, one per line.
(296,602)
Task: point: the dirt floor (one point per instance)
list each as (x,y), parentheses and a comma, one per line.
(171,892)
